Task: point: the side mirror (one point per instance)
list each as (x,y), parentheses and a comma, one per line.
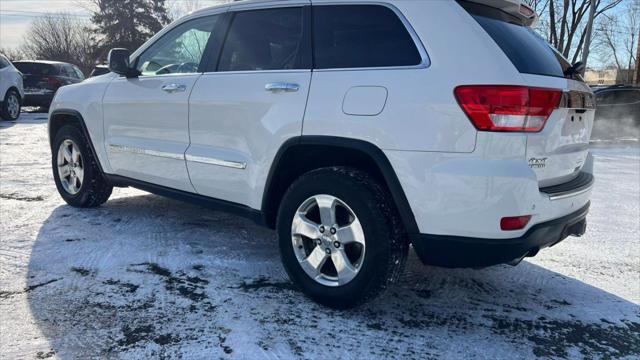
(119,63)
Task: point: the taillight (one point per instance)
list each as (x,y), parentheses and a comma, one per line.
(51,81)
(508,108)
(514,222)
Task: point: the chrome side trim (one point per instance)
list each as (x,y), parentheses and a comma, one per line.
(217,162)
(568,194)
(136,150)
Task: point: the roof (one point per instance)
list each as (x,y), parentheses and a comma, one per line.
(41,62)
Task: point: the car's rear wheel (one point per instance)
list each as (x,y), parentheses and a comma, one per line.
(11,106)
(76,172)
(340,238)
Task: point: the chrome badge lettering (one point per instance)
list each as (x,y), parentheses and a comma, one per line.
(538,163)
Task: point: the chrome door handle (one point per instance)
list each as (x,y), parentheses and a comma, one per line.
(174,88)
(282,87)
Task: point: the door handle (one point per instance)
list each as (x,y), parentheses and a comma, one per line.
(174,88)
(282,87)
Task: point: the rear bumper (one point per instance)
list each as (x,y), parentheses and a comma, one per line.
(456,251)
(38,100)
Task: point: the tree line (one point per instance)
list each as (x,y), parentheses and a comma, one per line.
(129,23)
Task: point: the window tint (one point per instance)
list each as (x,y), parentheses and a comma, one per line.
(528,52)
(67,70)
(78,72)
(180,51)
(265,40)
(30,68)
(357,36)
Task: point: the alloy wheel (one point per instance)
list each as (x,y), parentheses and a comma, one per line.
(328,240)
(70,167)
(13,106)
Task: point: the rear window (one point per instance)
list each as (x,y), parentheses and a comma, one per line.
(529,52)
(361,36)
(29,68)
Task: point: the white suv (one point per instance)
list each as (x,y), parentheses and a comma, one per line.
(11,90)
(354,128)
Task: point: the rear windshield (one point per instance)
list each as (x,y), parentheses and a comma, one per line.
(29,68)
(529,52)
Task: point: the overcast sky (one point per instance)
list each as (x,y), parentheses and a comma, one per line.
(15,15)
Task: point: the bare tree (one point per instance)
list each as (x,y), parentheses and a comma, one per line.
(13,54)
(563,22)
(619,37)
(60,37)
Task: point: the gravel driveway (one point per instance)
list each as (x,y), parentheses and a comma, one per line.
(143,276)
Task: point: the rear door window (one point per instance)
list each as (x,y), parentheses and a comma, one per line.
(272,39)
(529,52)
(361,36)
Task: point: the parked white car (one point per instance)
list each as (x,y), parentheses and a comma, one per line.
(11,90)
(354,128)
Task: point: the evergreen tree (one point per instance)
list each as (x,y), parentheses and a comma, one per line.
(127,23)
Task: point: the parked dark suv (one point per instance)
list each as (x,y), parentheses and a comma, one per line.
(43,78)
(617,113)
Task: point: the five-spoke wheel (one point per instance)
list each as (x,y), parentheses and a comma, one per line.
(340,237)
(77,174)
(70,167)
(328,240)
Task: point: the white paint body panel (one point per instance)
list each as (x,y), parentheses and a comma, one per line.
(146,129)
(10,78)
(228,129)
(233,118)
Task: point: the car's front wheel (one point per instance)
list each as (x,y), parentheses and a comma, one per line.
(340,238)
(75,170)
(10,106)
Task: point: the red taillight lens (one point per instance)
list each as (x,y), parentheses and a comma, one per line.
(514,222)
(51,81)
(508,108)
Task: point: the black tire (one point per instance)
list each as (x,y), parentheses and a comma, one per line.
(387,244)
(4,111)
(94,190)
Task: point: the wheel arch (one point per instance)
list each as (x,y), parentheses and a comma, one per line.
(61,117)
(291,162)
(14,88)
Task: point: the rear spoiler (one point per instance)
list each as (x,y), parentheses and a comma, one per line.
(517,8)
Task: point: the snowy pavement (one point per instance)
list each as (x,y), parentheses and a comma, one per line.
(148,277)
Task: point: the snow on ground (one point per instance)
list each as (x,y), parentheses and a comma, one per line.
(143,276)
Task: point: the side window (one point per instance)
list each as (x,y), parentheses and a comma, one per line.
(180,51)
(271,39)
(67,70)
(361,36)
(3,62)
(78,73)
